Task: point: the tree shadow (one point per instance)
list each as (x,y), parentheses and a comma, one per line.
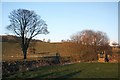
(70,74)
(51,74)
(54,75)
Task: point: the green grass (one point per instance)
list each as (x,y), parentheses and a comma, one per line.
(78,70)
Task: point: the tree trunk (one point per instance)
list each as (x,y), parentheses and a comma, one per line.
(25,54)
(25,45)
(25,57)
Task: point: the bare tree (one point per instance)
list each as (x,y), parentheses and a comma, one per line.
(76,37)
(26,24)
(90,37)
(91,42)
(101,38)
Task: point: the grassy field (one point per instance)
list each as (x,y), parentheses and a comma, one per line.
(78,70)
(12,51)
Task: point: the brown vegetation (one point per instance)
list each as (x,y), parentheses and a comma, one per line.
(71,50)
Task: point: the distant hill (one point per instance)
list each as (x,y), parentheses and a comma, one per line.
(8,38)
(12,38)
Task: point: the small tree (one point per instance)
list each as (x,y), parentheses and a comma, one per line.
(26,24)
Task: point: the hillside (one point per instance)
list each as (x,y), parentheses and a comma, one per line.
(12,38)
(9,38)
(11,49)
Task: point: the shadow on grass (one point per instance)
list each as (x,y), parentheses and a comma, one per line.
(70,74)
(51,74)
(54,75)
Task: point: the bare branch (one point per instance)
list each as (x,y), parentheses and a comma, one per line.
(26,24)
